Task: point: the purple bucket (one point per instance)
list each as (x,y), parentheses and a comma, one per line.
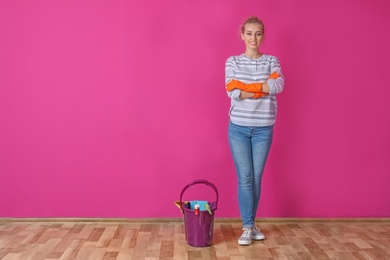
(199,225)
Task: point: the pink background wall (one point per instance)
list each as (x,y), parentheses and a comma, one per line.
(109,108)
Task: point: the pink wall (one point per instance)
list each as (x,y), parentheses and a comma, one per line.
(109,108)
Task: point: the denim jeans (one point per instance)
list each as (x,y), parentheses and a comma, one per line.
(250,147)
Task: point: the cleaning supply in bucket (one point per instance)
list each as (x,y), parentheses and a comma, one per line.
(198,217)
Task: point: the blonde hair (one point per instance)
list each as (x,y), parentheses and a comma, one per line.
(252,19)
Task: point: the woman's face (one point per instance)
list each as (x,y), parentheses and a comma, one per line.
(253,35)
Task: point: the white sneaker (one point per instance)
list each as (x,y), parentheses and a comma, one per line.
(256,234)
(246,237)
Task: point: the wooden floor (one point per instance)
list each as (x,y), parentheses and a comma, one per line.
(166,240)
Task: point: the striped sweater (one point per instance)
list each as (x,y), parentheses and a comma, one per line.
(253,112)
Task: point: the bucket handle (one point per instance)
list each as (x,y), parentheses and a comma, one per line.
(200,181)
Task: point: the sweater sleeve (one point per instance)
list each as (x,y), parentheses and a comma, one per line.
(229,76)
(276,86)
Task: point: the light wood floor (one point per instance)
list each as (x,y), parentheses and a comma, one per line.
(166,240)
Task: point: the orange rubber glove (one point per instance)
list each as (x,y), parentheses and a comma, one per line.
(259,95)
(252,87)
(273,75)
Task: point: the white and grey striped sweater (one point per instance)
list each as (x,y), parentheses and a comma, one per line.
(254,112)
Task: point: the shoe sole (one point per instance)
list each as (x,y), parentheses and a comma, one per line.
(244,244)
(258,239)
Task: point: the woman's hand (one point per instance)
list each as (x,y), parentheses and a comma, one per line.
(246,95)
(265,87)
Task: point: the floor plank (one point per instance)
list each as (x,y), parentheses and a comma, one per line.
(166,240)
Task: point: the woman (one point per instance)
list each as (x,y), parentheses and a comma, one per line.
(252,81)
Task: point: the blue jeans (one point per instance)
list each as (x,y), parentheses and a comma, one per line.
(250,147)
